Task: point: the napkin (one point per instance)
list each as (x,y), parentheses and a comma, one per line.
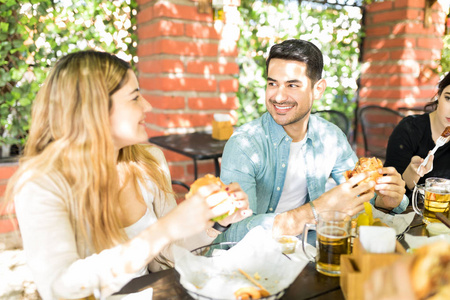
(146,294)
(218,277)
(222,117)
(377,239)
(415,242)
(399,222)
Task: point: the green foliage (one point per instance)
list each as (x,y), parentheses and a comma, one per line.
(445,59)
(335,30)
(35,34)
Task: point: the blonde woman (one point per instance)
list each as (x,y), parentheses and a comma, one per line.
(95,208)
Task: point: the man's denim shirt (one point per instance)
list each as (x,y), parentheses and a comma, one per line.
(256,156)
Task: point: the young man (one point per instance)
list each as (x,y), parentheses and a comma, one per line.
(283,159)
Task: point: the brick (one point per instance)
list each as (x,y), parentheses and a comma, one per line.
(8,225)
(229,86)
(213,103)
(178,84)
(202,67)
(203,168)
(177,172)
(160,28)
(197,30)
(396,15)
(376,56)
(166,46)
(391,43)
(165,102)
(409,3)
(379,6)
(7,170)
(390,69)
(151,132)
(171,10)
(390,81)
(175,157)
(378,31)
(229,50)
(432,54)
(179,120)
(160,66)
(386,93)
(412,28)
(144,15)
(431,43)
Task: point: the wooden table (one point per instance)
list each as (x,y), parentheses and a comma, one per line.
(196,145)
(310,284)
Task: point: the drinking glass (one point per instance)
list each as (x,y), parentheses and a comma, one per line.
(332,240)
(436,198)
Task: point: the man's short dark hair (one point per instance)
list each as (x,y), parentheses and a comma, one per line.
(302,51)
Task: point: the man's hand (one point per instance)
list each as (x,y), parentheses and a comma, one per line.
(347,197)
(390,188)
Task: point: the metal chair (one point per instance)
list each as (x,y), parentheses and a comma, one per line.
(177,182)
(336,117)
(377,124)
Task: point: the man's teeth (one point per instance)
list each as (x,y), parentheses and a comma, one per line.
(283,107)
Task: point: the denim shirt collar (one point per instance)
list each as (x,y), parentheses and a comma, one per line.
(278,134)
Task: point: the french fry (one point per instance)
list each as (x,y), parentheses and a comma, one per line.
(263,291)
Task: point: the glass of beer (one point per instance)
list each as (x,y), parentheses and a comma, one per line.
(332,240)
(436,199)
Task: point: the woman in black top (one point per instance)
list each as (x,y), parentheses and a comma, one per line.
(416,135)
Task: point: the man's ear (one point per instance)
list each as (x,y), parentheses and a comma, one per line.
(319,88)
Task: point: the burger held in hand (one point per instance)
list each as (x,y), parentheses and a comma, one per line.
(366,164)
(217,198)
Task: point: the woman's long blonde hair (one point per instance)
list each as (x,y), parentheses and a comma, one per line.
(70,136)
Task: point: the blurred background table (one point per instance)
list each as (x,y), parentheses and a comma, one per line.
(196,145)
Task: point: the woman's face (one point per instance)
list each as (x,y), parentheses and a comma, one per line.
(443,108)
(127,116)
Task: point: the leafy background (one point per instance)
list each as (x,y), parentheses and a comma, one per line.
(34,34)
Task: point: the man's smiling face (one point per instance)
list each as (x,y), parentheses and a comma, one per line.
(289,92)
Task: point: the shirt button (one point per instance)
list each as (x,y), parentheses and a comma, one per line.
(286,139)
(283,165)
(274,144)
(278,188)
(271,209)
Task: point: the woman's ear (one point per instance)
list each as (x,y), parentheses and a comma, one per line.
(319,88)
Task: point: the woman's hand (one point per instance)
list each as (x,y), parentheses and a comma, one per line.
(241,204)
(411,174)
(192,215)
(390,188)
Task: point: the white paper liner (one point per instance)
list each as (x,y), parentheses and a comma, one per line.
(415,242)
(399,222)
(218,277)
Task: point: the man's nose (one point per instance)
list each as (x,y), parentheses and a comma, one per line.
(280,94)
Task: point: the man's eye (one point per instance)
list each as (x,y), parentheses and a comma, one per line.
(447,98)
(271,84)
(135,99)
(293,85)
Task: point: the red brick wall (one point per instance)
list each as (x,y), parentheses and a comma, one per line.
(187,71)
(9,233)
(399,55)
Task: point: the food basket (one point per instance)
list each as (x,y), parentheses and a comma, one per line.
(217,249)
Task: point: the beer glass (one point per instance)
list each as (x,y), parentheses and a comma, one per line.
(332,240)
(436,199)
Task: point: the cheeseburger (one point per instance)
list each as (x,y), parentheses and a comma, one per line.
(220,197)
